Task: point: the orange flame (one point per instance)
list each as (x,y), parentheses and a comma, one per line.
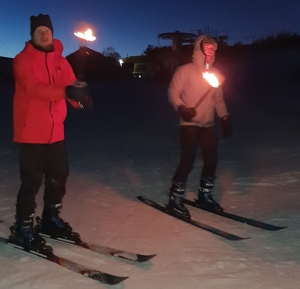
(86,35)
(211,79)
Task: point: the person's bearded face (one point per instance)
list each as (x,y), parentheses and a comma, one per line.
(42,37)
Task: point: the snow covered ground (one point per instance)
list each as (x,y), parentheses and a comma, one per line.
(128,147)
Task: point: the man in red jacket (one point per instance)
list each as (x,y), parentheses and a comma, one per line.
(43,81)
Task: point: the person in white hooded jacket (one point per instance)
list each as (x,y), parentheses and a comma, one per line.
(196,102)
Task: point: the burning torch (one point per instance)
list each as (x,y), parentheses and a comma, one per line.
(187,113)
(213,81)
(79,89)
(84,37)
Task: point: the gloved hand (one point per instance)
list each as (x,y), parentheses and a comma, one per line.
(86,103)
(187,113)
(226,126)
(78,91)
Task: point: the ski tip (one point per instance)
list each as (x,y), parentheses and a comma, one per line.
(145,258)
(237,238)
(116,280)
(113,280)
(106,278)
(275,228)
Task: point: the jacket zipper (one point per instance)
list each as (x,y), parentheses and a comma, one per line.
(50,105)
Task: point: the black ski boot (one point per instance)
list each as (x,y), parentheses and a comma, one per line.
(205,198)
(24,235)
(55,227)
(175,205)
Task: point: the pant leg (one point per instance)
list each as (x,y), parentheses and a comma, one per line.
(56,173)
(209,150)
(188,145)
(31,174)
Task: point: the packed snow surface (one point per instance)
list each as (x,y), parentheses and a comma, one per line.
(128,146)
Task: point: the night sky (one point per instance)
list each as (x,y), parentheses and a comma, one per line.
(129,26)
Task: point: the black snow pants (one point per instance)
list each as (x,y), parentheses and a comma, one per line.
(190,137)
(38,162)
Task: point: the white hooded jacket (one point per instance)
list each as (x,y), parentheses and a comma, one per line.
(188,88)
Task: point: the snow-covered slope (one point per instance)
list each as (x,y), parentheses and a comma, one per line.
(128,147)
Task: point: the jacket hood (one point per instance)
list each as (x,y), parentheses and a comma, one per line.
(198,55)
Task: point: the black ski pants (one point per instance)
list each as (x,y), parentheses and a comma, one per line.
(40,162)
(190,137)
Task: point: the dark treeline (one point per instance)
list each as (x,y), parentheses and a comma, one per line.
(281,39)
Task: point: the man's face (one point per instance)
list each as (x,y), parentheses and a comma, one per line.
(42,37)
(209,51)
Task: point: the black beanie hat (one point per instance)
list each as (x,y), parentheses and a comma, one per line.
(40,20)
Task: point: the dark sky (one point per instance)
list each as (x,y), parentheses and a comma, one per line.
(129,26)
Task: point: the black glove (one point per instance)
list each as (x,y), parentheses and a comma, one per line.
(187,113)
(226,126)
(77,91)
(86,103)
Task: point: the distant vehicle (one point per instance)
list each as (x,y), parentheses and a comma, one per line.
(143,70)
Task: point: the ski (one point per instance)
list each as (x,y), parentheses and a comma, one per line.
(237,218)
(208,228)
(99,276)
(75,240)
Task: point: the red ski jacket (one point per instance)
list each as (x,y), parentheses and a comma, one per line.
(39,101)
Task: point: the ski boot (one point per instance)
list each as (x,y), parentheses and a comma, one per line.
(23,235)
(55,227)
(205,198)
(175,205)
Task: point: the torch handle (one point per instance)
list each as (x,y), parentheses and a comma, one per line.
(203,97)
(80,67)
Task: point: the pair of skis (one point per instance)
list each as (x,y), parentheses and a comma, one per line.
(97,275)
(211,229)
(106,278)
